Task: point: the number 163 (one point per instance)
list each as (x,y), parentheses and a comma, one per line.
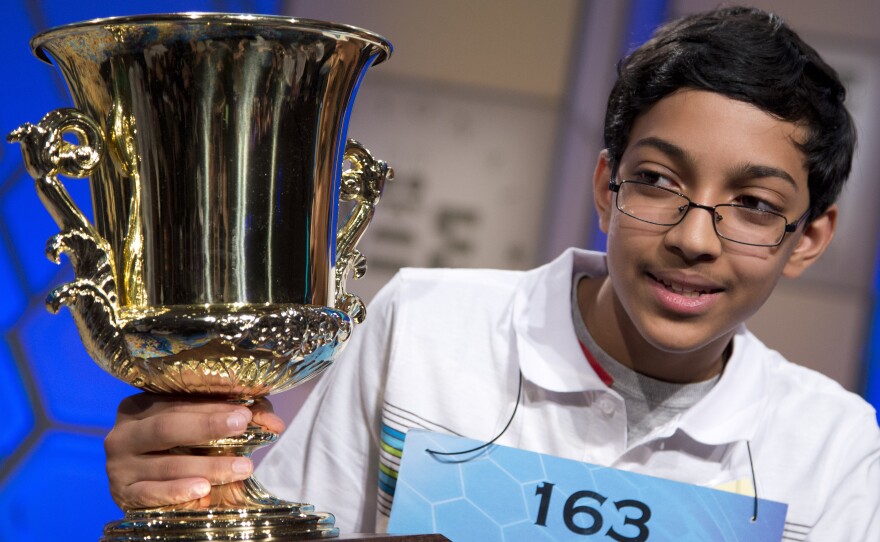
(581,514)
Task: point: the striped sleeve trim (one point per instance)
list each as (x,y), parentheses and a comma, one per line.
(388,471)
(392,440)
(395,423)
(796,531)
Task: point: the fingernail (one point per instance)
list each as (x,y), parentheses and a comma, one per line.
(236,421)
(241,466)
(199,490)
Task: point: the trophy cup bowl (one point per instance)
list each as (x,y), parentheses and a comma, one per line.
(216,149)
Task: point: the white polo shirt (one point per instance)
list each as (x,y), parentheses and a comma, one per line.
(442,349)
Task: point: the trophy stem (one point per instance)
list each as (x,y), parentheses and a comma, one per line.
(239,511)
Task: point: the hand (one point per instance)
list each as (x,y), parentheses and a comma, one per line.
(142,475)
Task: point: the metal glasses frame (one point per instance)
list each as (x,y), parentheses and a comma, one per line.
(790,227)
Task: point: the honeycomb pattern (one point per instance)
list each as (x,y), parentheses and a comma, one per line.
(57,403)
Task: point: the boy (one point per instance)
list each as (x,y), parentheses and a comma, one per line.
(727,144)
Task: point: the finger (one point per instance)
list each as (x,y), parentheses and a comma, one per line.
(164,468)
(266,417)
(270,421)
(172,429)
(144,405)
(263,404)
(154,494)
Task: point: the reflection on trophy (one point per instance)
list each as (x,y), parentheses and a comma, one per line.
(215,146)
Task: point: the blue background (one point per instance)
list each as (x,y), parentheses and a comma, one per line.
(57,404)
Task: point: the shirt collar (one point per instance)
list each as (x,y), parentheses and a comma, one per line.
(730,411)
(549,352)
(550,355)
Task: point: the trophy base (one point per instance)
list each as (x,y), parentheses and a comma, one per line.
(290,522)
(235,511)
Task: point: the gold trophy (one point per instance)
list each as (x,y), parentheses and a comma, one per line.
(215,146)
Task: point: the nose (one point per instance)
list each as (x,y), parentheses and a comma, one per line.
(694,238)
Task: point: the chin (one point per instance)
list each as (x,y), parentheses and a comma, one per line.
(684,337)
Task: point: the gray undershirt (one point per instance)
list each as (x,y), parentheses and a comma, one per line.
(649,403)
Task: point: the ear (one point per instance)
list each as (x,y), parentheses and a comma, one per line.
(602,197)
(814,240)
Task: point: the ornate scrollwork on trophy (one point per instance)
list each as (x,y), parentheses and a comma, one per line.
(46,153)
(92,295)
(242,353)
(362,183)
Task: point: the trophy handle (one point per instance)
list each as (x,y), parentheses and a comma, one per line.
(92,296)
(46,154)
(363,183)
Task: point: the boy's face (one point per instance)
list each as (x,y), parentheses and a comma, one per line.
(682,288)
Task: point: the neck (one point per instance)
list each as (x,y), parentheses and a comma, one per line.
(615,333)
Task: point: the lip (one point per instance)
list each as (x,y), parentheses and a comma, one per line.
(684,294)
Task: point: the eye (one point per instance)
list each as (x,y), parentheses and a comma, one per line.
(754,202)
(654,178)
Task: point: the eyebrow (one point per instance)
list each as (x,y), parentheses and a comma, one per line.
(670,149)
(757,171)
(746,171)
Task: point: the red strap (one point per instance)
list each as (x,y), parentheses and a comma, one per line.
(603,374)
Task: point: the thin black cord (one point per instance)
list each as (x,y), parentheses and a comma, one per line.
(754,483)
(513,414)
(480,447)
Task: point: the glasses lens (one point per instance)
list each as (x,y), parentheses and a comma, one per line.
(749,226)
(651,203)
(663,207)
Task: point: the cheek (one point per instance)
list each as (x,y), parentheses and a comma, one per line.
(624,229)
(749,256)
(756,277)
(631,245)
(757,265)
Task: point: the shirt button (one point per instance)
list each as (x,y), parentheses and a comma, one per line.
(606,406)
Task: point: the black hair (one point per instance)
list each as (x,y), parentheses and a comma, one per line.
(748,55)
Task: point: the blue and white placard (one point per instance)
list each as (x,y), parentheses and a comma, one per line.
(502,494)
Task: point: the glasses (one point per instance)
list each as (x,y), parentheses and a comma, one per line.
(737,223)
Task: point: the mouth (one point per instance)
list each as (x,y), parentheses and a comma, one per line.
(688,288)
